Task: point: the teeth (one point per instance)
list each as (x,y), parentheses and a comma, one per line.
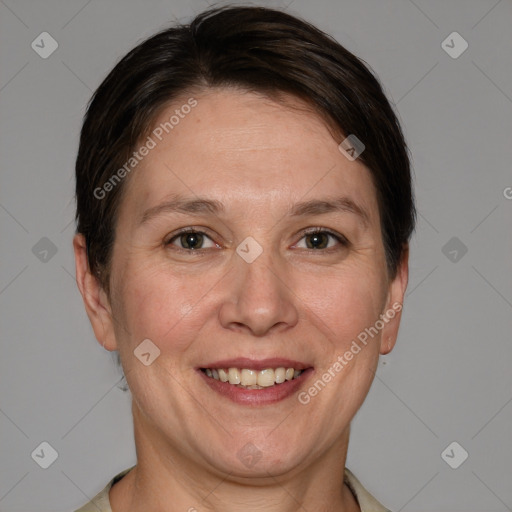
(253,379)
(249,377)
(234,375)
(266,378)
(280,374)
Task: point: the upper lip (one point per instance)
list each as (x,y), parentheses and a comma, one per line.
(257,364)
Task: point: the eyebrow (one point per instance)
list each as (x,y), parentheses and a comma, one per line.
(200,205)
(180,204)
(337,205)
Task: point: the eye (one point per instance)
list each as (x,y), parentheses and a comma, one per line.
(318,238)
(190,239)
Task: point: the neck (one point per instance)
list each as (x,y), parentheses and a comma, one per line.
(165,480)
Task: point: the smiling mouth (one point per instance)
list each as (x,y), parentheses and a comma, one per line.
(253,379)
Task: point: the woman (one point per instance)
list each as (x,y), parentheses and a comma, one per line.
(244,209)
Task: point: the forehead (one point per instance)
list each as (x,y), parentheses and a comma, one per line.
(240,148)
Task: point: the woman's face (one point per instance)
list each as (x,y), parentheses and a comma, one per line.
(250,288)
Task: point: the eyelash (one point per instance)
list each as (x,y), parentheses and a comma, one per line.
(343,241)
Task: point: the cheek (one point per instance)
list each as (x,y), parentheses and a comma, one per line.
(172,307)
(159,304)
(345,303)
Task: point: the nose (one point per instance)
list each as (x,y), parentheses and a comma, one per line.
(260,300)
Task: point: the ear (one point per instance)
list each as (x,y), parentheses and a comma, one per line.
(394,304)
(95,299)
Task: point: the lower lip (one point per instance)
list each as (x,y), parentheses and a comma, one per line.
(265,396)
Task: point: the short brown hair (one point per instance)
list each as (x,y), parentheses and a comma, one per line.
(256,49)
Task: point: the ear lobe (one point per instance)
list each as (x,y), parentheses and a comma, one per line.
(394,304)
(96,302)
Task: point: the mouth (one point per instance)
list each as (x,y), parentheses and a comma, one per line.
(253,379)
(255,382)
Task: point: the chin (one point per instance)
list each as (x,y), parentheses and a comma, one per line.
(258,458)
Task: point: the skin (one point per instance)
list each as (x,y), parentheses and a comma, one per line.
(258,158)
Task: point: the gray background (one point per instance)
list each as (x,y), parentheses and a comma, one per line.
(448,378)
